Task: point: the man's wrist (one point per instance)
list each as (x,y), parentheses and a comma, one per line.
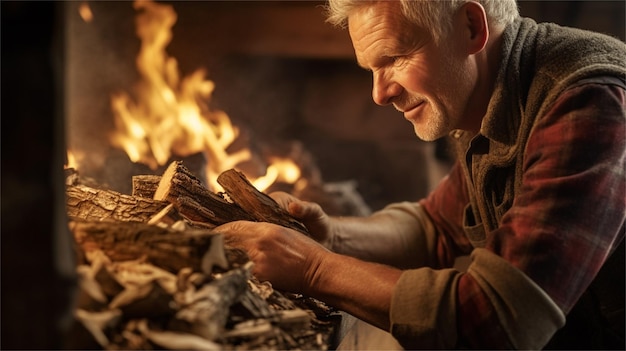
(318,264)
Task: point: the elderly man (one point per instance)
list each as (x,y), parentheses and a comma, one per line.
(536,197)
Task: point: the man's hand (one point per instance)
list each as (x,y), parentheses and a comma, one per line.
(294,262)
(310,214)
(286,258)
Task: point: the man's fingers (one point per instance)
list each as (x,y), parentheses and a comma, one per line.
(305,210)
(282,198)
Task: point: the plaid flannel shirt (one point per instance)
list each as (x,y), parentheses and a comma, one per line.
(566,219)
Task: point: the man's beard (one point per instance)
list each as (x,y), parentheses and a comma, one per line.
(432,124)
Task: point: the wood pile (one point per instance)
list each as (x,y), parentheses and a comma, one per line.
(153,274)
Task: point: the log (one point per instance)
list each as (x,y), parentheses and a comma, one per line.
(207,308)
(97,324)
(262,207)
(193,200)
(170,340)
(149,300)
(164,247)
(152,279)
(88,203)
(145,185)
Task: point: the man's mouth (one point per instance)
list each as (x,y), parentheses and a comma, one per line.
(411,113)
(408,108)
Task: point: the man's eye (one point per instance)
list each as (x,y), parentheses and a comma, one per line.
(397,60)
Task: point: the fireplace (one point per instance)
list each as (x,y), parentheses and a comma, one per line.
(135,102)
(277,86)
(281,74)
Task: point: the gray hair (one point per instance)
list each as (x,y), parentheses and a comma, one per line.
(435,15)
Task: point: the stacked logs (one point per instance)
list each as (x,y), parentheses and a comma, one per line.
(153,275)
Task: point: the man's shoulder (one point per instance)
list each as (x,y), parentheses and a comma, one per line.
(609,80)
(573,47)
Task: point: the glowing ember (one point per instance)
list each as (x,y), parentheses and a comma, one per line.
(172,117)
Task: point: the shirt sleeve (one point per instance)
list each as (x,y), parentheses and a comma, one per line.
(550,244)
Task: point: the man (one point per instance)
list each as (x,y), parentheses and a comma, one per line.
(536,197)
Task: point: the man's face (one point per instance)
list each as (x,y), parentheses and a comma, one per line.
(430,84)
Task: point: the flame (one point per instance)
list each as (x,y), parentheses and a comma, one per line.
(280,169)
(71,160)
(171,116)
(85,12)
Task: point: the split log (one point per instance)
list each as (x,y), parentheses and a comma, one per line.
(207,308)
(164,247)
(149,300)
(88,203)
(193,200)
(170,340)
(156,285)
(97,324)
(262,207)
(145,185)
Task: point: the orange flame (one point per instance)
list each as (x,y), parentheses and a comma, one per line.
(85,12)
(284,170)
(71,160)
(172,116)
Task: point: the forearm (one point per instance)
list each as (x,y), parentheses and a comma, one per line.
(400,235)
(360,288)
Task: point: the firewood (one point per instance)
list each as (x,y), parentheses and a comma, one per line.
(175,340)
(262,207)
(88,203)
(255,328)
(97,323)
(207,309)
(255,306)
(90,293)
(108,281)
(193,200)
(154,275)
(151,307)
(145,185)
(295,318)
(166,248)
(150,300)
(165,217)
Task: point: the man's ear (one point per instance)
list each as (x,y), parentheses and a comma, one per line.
(474,19)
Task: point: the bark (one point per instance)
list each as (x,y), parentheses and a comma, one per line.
(145,185)
(151,277)
(163,247)
(262,207)
(193,200)
(88,203)
(207,309)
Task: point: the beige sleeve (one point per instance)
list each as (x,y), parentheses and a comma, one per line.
(424,305)
(400,235)
(526,312)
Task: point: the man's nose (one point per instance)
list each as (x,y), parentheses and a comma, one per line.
(384,89)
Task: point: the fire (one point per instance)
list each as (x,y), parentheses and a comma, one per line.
(172,117)
(71,160)
(85,12)
(284,170)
